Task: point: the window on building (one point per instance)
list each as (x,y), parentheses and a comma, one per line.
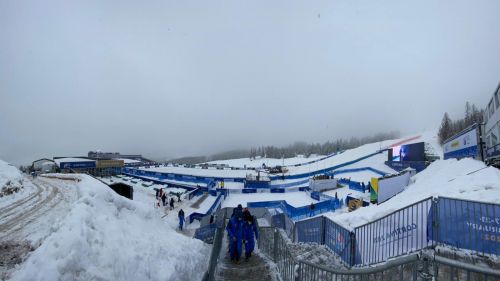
(486,116)
(491,108)
(494,140)
(488,143)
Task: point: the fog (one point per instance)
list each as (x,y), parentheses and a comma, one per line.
(179,78)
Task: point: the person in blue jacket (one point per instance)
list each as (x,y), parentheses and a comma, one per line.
(181,219)
(248,233)
(235,234)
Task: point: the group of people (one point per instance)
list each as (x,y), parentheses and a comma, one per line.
(161,196)
(242,229)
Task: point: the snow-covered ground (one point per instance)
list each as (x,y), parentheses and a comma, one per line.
(269,162)
(464,179)
(9,173)
(296,199)
(82,230)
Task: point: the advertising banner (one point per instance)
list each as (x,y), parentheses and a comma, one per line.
(310,231)
(338,239)
(388,187)
(77,165)
(464,144)
(374,190)
(469,225)
(399,233)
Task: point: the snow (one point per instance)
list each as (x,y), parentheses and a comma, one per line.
(9,173)
(296,199)
(72,159)
(128,161)
(462,179)
(107,237)
(269,162)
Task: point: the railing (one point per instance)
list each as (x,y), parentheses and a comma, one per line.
(216,248)
(416,266)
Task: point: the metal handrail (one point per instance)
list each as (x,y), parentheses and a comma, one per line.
(467,267)
(214,255)
(366,270)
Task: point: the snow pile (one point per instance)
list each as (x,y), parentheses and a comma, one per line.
(108,237)
(9,173)
(463,179)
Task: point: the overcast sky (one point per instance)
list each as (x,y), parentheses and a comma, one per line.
(178,78)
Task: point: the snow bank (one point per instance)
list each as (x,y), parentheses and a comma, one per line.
(108,237)
(463,179)
(8,173)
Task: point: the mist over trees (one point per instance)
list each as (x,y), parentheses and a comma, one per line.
(451,127)
(292,150)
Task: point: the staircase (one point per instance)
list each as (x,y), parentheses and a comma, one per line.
(255,269)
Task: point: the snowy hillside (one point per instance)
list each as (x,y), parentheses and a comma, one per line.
(8,173)
(270,162)
(463,179)
(107,237)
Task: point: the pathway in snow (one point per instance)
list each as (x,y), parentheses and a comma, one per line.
(26,222)
(256,268)
(198,202)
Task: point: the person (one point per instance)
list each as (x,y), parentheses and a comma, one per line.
(222,184)
(246,214)
(249,230)
(235,234)
(163,198)
(336,197)
(181,219)
(363,186)
(211,219)
(171,203)
(178,194)
(311,213)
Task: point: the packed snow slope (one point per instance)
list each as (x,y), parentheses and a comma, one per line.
(463,179)
(270,162)
(376,161)
(108,237)
(8,173)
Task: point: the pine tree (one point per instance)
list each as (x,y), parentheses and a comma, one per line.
(445,131)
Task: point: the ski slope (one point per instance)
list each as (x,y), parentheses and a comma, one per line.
(366,156)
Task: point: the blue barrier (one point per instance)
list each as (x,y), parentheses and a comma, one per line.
(339,240)
(206,233)
(354,185)
(469,225)
(300,212)
(399,233)
(215,206)
(316,195)
(249,190)
(256,184)
(310,231)
(170,184)
(277,190)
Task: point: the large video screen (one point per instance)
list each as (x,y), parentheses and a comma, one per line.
(409,152)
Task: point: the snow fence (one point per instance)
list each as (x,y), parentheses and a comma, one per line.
(462,224)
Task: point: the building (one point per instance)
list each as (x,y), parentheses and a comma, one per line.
(113,155)
(492,128)
(99,167)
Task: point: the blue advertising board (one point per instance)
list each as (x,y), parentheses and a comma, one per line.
(77,165)
(469,225)
(464,144)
